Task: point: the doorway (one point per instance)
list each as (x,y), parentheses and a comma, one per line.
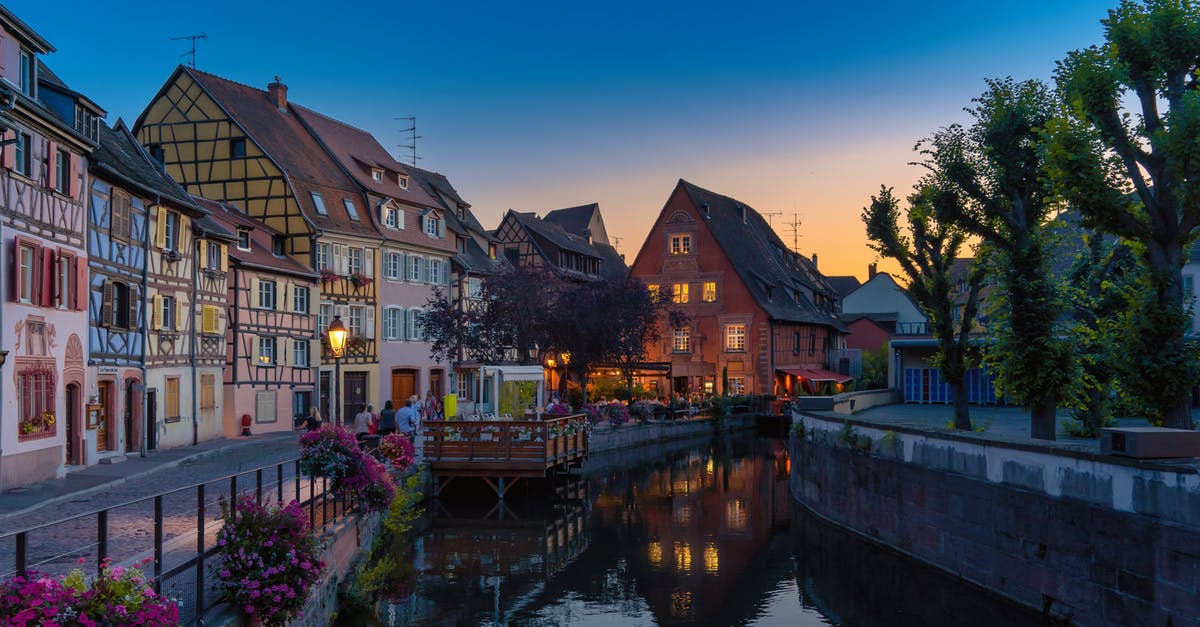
(404,385)
(104,389)
(151,425)
(354,394)
(132,443)
(435,383)
(74,450)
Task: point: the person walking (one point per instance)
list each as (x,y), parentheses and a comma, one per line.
(406,420)
(362,424)
(387,419)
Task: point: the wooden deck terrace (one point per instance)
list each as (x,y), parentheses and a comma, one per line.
(503,451)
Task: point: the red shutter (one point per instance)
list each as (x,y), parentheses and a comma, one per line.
(16,270)
(81,284)
(76,163)
(48,275)
(9,150)
(51,163)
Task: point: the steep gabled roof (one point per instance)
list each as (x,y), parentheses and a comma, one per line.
(121,159)
(778,278)
(229,219)
(552,234)
(578,221)
(843,284)
(281,134)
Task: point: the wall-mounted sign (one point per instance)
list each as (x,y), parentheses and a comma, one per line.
(108,370)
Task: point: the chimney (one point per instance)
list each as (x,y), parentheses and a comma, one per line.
(871,271)
(277,92)
(745,215)
(588,234)
(707,210)
(814,260)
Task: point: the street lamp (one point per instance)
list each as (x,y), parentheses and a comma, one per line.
(337,345)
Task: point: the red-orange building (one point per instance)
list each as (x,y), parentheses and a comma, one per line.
(761,315)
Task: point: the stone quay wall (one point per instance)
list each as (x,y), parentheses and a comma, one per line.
(1086,538)
(630,435)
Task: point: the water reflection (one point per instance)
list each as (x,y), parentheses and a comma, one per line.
(698,536)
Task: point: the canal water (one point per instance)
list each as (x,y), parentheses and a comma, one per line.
(700,532)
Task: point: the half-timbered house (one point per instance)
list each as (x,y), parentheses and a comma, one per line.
(414,259)
(759,313)
(271,346)
(528,240)
(47,131)
(227,141)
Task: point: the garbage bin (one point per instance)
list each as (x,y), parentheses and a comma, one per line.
(450,406)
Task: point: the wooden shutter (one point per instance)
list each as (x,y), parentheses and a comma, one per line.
(49,276)
(256,350)
(369,262)
(81,284)
(77,175)
(8,152)
(181,315)
(202,253)
(369,322)
(108,314)
(255,298)
(209,319)
(51,164)
(16,277)
(446,272)
(224,257)
(133,307)
(287,296)
(156,317)
(160,232)
(441,228)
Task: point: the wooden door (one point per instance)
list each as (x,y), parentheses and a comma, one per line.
(104,389)
(354,395)
(404,385)
(435,383)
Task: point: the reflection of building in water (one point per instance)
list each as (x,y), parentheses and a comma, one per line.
(702,522)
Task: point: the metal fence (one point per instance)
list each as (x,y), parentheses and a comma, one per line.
(172,533)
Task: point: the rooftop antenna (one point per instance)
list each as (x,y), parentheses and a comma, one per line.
(794,225)
(616,241)
(191,53)
(411,146)
(768,214)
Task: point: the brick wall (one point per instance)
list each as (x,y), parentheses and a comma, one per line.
(1077,536)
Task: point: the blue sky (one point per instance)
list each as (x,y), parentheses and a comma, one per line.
(792,107)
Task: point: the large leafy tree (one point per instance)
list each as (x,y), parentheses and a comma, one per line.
(1137,175)
(636,323)
(992,174)
(927,256)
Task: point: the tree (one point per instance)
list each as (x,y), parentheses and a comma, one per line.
(634,319)
(1138,176)
(927,258)
(993,186)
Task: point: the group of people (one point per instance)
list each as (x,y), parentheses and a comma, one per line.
(405,420)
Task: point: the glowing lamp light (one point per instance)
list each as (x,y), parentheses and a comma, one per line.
(337,334)
(550,363)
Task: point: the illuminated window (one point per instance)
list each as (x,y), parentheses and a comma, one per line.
(735,337)
(681,244)
(712,559)
(710,292)
(683,557)
(737,386)
(652,288)
(682,340)
(266,351)
(679,293)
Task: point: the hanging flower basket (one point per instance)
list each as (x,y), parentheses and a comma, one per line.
(360,280)
(328,276)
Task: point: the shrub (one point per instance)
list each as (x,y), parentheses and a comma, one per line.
(398,450)
(270,557)
(118,596)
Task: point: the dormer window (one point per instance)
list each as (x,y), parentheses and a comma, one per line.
(28,76)
(319,203)
(237,148)
(156,153)
(402,180)
(432,225)
(393,217)
(351,209)
(277,245)
(377,175)
(243,239)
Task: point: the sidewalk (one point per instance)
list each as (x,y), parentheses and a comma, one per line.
(139,477)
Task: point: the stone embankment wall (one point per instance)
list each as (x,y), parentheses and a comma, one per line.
(628,436)
(1092,539)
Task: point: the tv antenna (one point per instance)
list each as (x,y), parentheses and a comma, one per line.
(191,53)
(616,241)
(411,146)
(794,225)
(768,214)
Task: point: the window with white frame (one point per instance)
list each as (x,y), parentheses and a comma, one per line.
(356,260)
(355,323)
(300,299)
(23,154)
(323,257)
(243,239)
(393,266)
(681,244)
(735,337)
(324,317)
(300,353)
(266,351)
(474,287)
(737,386)
(393,217)
(393,323)
(415,264)
(679,293)
(413,324)
(431,226)
(266,294)
(168,313)
(435,271)
(377,175)
(402,181)
(682,340)
(62,183)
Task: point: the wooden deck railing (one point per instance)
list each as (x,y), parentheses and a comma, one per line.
(518,445)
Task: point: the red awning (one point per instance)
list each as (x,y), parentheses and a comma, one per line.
(816,374)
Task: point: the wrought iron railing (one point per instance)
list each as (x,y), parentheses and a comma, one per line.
(173,532)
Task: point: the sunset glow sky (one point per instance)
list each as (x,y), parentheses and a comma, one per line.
(791,107)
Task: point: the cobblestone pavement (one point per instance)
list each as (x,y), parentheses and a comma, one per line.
(130,527)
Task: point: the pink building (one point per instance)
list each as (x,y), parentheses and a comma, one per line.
(44,383)
(271,342)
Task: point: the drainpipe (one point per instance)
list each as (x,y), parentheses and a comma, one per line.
(192,340)
(144,446)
